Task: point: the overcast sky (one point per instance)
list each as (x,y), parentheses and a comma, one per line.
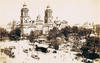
(74,11)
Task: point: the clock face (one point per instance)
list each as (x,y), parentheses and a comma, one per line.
(25,20)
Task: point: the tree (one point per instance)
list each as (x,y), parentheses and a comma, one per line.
(90,48)
(15,34)
(3,33)
(98,29)
(66,31)
(56,46)
(84,32)
(75,29)
(32,36)
(52,37)
(53,33)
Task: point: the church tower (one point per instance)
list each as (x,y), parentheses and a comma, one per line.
(48,15)
(24,18)
(24,14)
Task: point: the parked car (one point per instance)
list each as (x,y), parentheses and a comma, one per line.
(35,56)
(12,47)
(12,55)
(42,49)
(25,50)
(9,52)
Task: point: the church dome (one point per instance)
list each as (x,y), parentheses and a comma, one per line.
(48,6)
(48,9)
(25,9)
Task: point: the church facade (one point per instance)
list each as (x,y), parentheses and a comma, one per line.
(27,24)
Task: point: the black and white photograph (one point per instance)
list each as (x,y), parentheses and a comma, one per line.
(49,31)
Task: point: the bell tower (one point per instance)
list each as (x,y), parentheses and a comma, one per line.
(48,14)
(24,18)
(24,14)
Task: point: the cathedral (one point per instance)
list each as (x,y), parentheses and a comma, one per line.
(27,24)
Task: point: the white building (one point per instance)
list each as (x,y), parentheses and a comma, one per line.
(27,25)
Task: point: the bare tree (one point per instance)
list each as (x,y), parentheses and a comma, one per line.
(3,33)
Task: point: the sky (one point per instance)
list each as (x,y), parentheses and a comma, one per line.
(74,11)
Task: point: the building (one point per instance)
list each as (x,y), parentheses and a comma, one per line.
(27,25)
(97,30)
(39,23)
(48,15)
